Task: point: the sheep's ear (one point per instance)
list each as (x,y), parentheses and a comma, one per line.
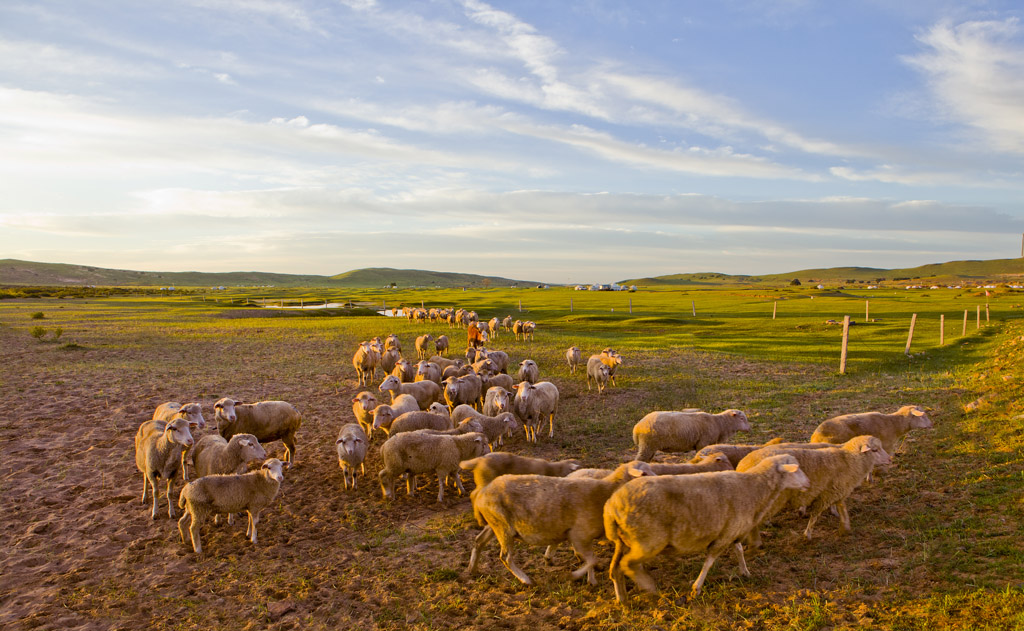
(865,447)
(790,468)
(635,472)
(917,411)
(218,405)
(337,442)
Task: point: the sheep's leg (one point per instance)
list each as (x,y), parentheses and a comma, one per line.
(697,584)
(632,565)
(410,484)
(170,502)
(505,540)
(481,540)
(844,515)
(549,553)
(585,550)
(289,448)
(815,513)
(615,572)
(184,465)
(458,484)
(741,559)
(551,431)
(193,529)
(254,519)
(145,487)
(152,484)
(181,524)
(442,476)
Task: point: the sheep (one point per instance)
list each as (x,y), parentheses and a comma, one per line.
(528,371)
(465,389)
(497,400)
(412,421)
(714,462)
(425,392)
(363,406)
(415,452)
(704,512)
(391,343)
(600,373)
(388,359)
(193,413)
(440,409)
(834,473)
(528,328)
(506,323)
(495,427)
(545,510)
(365,362)
(533,403)
(441,345)
(498,358)
(492,327)
(352,444)
(572,356)
(685,431)
(404,371)
(500,380)
(607,357)
(487,468)
(734,453)
(517,329)
(158,449)
(428,371)
(445,362)
(267,421)
(465,427)
(384,415)
(213,454)
(424,344)
(484,365)
(888,428)
(226,493)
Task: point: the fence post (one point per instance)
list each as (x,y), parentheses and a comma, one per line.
(570,305)
(964,334)
(942,329)
(978,324)
(867,307)
(630,306)
(910,337)
(775,309)
(693,306)
(385,301)
(986,313)
(520,305)
(846,340)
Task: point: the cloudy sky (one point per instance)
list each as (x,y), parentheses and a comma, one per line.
(564,141)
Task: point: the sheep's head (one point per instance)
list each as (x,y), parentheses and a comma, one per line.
(249,447)
(738,420)
(275,469)
(347,445)
(177,432)
(793,477)
(366,401)
(391,383)
(224,412)
(918,417)
(438,408)
(382,415)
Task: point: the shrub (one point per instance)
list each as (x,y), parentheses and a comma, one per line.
(795,282)
(57,333)
(37,332)
(38,315)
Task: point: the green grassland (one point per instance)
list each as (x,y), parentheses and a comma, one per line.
(937,538)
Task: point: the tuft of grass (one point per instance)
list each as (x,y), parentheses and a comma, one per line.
(37,332)
(38,315)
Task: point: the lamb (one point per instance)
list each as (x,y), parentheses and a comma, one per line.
(158,449)
(704,512)
(533,404)
(572,356)
(487,468)
(609,358)
(404,371)
(412,421)
(545,510)
(888,428)
(267,421)
(497,400)
(734,453)
(834,473)
(226,493)
(528,371)
(391,343)
(600,373)
(495,427)
(365,362)
(416,452)
(384,414)
(428,371)
(363,406)
(465,389)
(213,454)
(388,359)
(193,413)
(425,392)
(424,344)
(685,431)
(440,409)
(352,444)
(441,345)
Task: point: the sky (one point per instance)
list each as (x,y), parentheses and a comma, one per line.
(570,141)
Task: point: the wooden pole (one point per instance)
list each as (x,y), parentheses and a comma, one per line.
(693,306)
(520,305)
(421,305)
(978,325)
(631,306)
(846,341)
(986,312)
(942,329)
(910,337)
(964,334)
(570,305)
(867,309)
(775,309)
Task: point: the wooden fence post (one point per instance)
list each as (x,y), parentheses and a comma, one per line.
(910,337)
(978,324)
(693,306)
(520,305)
(942,329)
(775,309)
(964,334)
(630,306)
(846,340)
(867,309)
(986,313)
(570,305)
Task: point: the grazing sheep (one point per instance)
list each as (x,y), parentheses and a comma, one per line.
(834,473)
(388,359)
(572,356)
(226,493)
(193,413)
(488,467)
(365,362)
(533,404)
(441,345)
(888,428)
(600,373)
(213,454)
(704,512)
(267,421)
(384,414)
(412,421)
(685,431)
(494,427)
(424,344)
(734,453)
(528,371)
(391,343)
(415,452)
(158,449)
(428,371)
(352,444)
(545,510)
(497,400)
(425,392)
(404,371)
(363,406)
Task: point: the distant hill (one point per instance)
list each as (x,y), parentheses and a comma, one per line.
(28,273)
(995,269)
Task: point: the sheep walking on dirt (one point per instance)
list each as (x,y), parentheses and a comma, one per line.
(528,371)
(363,405)
(425,392)
(158,449)
(267,421)
(352,444)
(685,431)
(487,468)
(535,403)
(215,455)
(424,346)
(888,428)
(417,452)
(494,427)
(705,512)
(365,361)
(600,373)
(193,413)
(217,494)
(572,356)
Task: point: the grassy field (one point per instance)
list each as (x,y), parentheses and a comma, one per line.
(936,542)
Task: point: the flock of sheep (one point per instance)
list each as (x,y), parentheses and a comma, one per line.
(447,415)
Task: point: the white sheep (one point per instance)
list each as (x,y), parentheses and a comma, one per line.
(487,468)
(391,342)
(351,444)
(682,431)
(492,327)
(158,449)
(363,406)
(267,421)
(193,413)
(365,361)
(441,345)
(229,493)
(384,414)
(600,373)
(404,371)
(572,357)
(528,371)
(498,358)
(506,323)
(608,357)
(428,371)
(425,392)
(734,453)
(415,452)
(528,328)
(888,428)
(499,380)
(704,512)
(495,427)
(517,329)
(213,454)
(834,473)
(465,389)
(424,345)
(388,359)
(545,510)
(497,399)
(535,403)
(412,421)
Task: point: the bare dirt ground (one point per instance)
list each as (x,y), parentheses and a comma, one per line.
(81,552)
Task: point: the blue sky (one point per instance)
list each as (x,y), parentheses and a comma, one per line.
(559,141)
